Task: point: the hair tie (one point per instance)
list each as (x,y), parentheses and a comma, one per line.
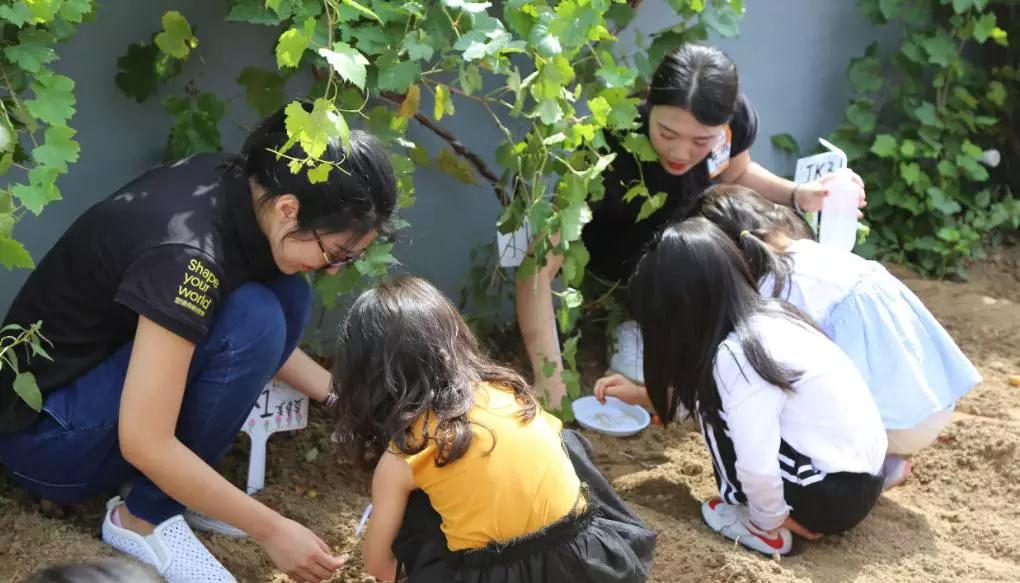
(744,233)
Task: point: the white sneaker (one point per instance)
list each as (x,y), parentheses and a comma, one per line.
(731,521)
(173,549)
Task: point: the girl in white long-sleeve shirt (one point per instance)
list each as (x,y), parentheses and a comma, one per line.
(912,366)
(796,440)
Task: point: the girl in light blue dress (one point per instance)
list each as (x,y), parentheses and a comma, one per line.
(914,369)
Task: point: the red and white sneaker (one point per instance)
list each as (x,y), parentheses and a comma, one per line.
(732,521)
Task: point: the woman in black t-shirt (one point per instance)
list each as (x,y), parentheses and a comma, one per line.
(169,306)
(701,127)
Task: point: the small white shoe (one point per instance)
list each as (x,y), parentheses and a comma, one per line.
(172,549)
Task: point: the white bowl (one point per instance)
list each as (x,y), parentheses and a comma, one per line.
(615,418)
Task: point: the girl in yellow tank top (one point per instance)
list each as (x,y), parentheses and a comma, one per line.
(473,481)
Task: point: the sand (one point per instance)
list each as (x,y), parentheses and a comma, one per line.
(956,520)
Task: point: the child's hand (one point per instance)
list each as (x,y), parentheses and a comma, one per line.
(623,389)
(301,554)
(796,528)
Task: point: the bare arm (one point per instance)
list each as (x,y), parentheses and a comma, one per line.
(745,172)
(306,375)
(537,322)
(392,483)
(149,411)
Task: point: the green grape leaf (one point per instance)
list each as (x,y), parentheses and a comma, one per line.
(443,104)
(137,76)
(941,49)
(398,76)
(984,26)
(884,146)
(412,101)
(54,98)
(418,46)
(724,20)
(13,254)
(75,11)
(997,93)
(786,143)
(5,164)
(34,49)
(313,130)
(573,219)
(865,74)
(651,204)
(41,190)
(176,38)
(263,89)
(861,116)
(453,165)
(252,11)
(910,172)
(27,388)
(320,173)
(347,62)
(927,115)
(363,9)
(638,144)
(292,44)
(58,150)
(196,125)
(940,201)
(16,13)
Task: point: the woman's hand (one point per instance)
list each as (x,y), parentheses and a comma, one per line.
(297,551)
(623,389)
(810,195)
(797,529)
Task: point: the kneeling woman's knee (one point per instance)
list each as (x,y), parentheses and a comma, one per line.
(253,322)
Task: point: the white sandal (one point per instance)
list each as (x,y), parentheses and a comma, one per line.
(173,549)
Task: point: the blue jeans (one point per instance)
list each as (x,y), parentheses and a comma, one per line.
(72,453)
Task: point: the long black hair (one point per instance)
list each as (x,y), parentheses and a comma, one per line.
(405,359)
(359,195)
(690,291)
(749,220)
(700,79)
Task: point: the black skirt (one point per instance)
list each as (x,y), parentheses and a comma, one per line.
(604,543)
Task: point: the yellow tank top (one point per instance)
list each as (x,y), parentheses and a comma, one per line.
(525,483)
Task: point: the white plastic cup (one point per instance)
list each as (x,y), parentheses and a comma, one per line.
(838,225)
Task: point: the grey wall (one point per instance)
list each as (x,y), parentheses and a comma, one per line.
(792,56)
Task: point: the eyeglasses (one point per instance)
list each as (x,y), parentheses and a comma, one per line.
(335,262)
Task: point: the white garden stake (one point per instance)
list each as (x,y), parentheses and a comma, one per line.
(838,224)
(513,247)
(279,408)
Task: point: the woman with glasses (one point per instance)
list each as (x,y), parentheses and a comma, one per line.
(169,305)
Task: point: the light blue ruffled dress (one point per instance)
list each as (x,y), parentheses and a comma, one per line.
(912,366)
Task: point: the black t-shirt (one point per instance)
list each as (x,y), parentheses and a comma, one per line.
(614,237)
(169,246)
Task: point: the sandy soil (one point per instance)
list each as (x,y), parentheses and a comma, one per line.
(955,520)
